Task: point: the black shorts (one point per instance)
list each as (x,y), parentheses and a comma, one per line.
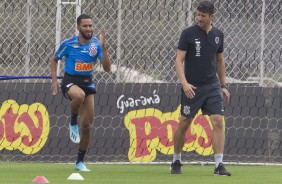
(84,82)
(208,98)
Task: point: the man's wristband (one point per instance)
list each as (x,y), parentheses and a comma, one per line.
(223,86)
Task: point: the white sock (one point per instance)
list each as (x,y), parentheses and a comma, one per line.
(176,156)
(218,159)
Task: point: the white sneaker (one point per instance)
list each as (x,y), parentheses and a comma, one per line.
(81,167)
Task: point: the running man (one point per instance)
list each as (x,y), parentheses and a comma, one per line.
(81,53)
(203,83)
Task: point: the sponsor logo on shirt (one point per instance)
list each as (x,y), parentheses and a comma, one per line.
(75,45)
(198,47)
(92,44)
(83,67)
(84,50)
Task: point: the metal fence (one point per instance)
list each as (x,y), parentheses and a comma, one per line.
(142,36)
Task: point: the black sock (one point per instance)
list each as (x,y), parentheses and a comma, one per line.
(74,119)
(80,156)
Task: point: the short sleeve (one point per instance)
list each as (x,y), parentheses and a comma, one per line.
(221,47)
(62,51)
(183,43)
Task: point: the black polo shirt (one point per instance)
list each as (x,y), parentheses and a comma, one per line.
(200,59)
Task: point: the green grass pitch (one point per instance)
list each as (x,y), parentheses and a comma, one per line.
(21,173)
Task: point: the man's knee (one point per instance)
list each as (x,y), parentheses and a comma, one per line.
(184,123)
(76,94)
(80,96)
(217,121)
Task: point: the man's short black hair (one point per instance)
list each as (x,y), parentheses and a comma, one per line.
(80,17)
(206,7)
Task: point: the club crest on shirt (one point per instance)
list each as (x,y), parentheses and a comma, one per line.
(93,51)
(216,40)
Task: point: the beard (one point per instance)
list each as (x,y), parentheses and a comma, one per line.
(87,37)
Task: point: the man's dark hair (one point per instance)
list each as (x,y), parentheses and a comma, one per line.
(80,17)
(206,7)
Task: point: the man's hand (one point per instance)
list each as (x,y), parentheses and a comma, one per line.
(226,95)
(55,87)
(189,90)
(103,38)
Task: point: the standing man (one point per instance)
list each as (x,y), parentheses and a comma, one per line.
(203,83)
(81,54)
